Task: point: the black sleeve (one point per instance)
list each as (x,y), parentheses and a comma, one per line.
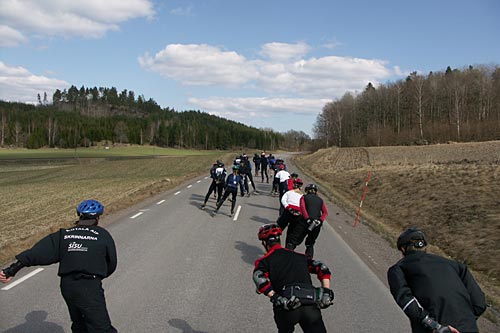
(45,252)
(261,277)
(111,257)
(478,300)
(403,295)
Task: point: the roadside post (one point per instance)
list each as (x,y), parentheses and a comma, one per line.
(365,189)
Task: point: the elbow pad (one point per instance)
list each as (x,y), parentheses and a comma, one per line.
(320,268)
(261,281)
(13,269)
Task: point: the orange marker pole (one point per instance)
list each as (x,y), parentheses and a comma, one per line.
(365,189)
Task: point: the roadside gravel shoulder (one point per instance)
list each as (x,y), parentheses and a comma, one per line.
(367,239)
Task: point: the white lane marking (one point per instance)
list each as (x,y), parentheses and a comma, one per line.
(177,192)
(138,214)
(206,177)
(189,186)
(237,213)
(26,277)
(199,181)
(160,202)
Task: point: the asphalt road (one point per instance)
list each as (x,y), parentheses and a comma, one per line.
(181,270)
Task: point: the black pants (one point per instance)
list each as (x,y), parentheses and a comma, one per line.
(297,231)
(264,170)
(214,186)
(249,175)
(86,305)
(229,191)
(276,184)
(286,218)
(308,317)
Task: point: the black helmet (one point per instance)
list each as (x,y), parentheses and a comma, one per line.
(294,175)
(412,236)
(311,188)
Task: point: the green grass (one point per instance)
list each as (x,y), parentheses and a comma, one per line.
(97,152)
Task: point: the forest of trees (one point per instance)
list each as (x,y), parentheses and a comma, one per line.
(455,105)
(83,117)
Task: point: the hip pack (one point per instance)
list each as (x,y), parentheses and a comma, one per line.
(306,294)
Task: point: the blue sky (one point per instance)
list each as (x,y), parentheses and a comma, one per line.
(267,64)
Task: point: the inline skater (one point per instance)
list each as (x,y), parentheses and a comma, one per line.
(245,170)
(86,254)
(263,167)
(437,294)
(218,174)
(285,277)
(282,177)
(256,161)
(276,179)
(231,188)
(291,213)
(314,213)
(291,180)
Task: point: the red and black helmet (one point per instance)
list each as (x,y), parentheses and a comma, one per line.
(297,183)
(269,232)
(281,167)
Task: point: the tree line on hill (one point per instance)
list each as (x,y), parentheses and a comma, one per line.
(455,105)
(85,116)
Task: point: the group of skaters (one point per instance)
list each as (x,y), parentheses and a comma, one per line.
(438,295)
(224,185)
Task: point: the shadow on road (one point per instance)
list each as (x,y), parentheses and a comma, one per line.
(261,219)
(249,253)
(35,322)
(183,325)
(262,206)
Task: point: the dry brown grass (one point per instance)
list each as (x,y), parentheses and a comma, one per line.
(451,191)
(38,198)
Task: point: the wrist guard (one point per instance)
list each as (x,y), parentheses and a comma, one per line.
(431,323)
(13,269)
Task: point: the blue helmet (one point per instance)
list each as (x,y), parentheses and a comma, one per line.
(90,208)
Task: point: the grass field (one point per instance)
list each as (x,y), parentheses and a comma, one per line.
(41,196)
(95,152)
(451,191)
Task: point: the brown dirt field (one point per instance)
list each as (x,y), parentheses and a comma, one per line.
(38,198)
(452,191)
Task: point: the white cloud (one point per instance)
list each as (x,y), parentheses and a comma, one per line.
(182,11)
(324,77)
(67,18)
(294,87)
(17,84)
(247,107)
(283,51)
(10,37)
(200,65)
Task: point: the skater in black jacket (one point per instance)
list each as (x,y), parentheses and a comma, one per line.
(285,277)
(437,294)
(86,254)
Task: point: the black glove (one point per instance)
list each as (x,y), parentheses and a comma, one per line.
(325,297)
(13,269)
(285,303)
(431,323)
